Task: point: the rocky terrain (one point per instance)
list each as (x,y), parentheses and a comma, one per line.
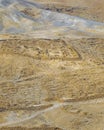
(51,65)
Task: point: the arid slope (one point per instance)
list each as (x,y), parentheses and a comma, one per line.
(51,65)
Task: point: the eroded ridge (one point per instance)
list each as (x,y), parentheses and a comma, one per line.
(41,49)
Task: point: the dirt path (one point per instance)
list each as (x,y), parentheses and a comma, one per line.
(55,106)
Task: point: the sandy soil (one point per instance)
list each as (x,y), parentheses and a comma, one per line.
(41,77)
(51,65)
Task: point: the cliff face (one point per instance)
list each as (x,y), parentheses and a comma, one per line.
(51,65)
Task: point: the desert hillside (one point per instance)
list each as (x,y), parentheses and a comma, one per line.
(51,65)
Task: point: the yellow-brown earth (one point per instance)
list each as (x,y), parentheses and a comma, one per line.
(52,78)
